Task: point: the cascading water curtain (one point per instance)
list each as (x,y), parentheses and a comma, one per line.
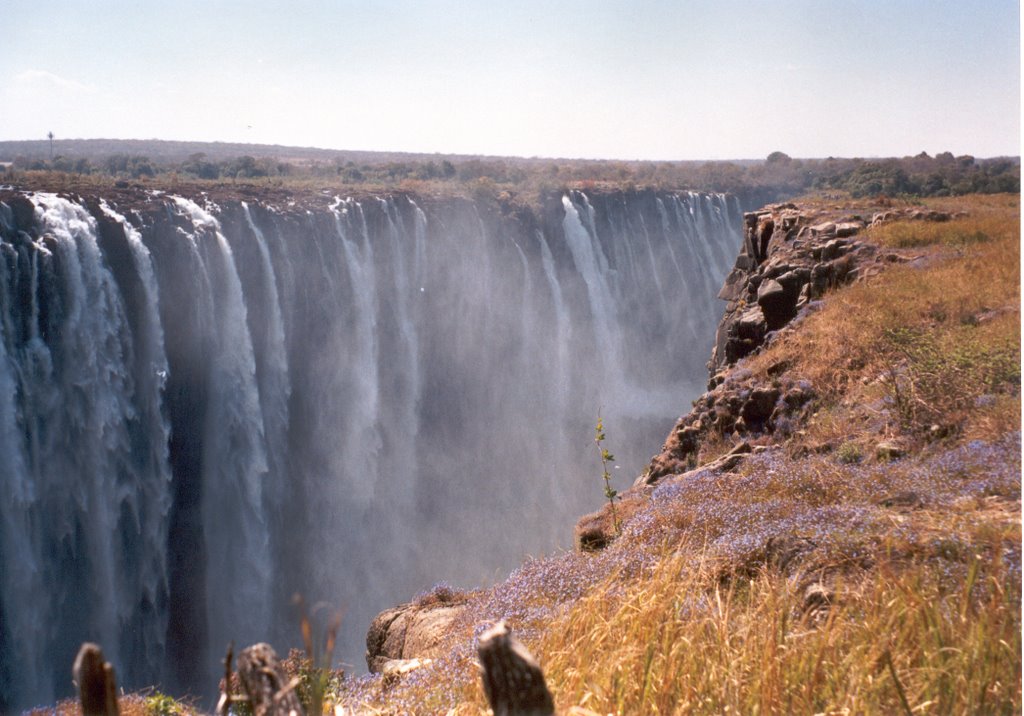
(206,408)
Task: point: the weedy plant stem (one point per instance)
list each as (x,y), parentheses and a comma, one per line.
(606,458)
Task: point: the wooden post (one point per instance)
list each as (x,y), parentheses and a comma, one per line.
(96,684)
(265,683)
(513,681)
(224,703)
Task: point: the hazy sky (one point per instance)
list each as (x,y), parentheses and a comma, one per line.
(639,79)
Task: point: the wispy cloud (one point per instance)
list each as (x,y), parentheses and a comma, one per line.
(43,77)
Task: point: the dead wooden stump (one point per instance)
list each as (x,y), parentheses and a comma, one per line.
(97,687)
(225,701)
(513,681)
(265,683)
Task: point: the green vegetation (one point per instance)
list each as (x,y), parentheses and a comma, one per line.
(754,181)
(159,704)
(606,457)
(313,669)
(849,453)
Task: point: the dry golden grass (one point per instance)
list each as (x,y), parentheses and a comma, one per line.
(984,218)
(937,339)
(921,566)
(145,703)
(674,644)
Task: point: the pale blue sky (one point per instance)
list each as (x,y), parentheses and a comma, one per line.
(644,79)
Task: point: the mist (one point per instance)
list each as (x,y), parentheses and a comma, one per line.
(209,408)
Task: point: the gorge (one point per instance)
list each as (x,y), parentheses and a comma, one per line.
(208,404)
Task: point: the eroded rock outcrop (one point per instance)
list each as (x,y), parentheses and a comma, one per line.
(790,257)
(739,406)
(412,631)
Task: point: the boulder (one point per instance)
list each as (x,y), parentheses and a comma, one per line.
(769,291)
(889,450)
(409,631)
(825,228)
(394,669)
(848,228)
(821,276)
(764,231)
(751,324)
(724,463)
(833,249)
(777,304)
(759,406)
(794,280)
(818,597)
(790,220)
(735,283)
(777,269)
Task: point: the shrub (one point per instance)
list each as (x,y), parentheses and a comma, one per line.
(160,704)
(849,453)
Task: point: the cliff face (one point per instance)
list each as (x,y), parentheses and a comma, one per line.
(210,403)
(790,257)
(789,260)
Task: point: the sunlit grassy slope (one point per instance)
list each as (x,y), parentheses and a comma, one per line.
(820,577)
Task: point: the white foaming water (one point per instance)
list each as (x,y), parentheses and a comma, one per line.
(360,401)
(361,439)
(420,244)
(95,415)
(274,383)
(148,492)
(404,423)
(593,266)
(76,407)
(20,542)
(239,569)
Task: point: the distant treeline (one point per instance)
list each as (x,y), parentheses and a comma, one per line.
(757,181)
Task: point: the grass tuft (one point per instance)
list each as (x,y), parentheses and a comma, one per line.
(909,637)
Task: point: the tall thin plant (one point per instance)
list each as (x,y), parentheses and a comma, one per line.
(606,457)
(318,668)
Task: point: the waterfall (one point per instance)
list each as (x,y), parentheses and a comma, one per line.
(205,407)
(234,521)
(84,442)
(20,543)
(274,386)
(587,254)
(148,495)
(361,439)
